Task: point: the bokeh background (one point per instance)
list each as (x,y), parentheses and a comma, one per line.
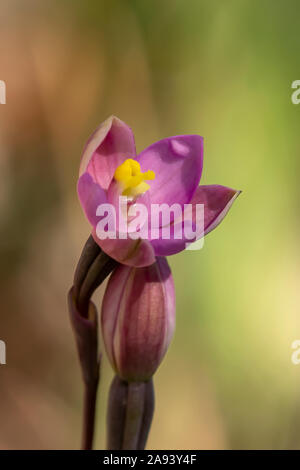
(220,69)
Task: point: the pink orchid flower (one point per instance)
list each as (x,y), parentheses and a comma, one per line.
(167,172)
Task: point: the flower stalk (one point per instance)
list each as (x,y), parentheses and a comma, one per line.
(129,416)
(93,267)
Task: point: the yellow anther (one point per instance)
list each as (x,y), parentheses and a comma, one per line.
(123,171)
(149,175)
(131,178)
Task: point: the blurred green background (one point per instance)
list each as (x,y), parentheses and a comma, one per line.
(219,69)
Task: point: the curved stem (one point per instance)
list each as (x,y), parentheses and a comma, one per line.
(97,272)
(89,410)
(89,253)
(93,267)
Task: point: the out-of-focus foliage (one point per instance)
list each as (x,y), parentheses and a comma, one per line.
(220,69)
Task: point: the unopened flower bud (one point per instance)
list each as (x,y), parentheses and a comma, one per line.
(138,319)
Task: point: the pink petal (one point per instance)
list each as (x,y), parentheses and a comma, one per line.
(91,195)
(217,201)
(177,163)
(138,253)
(108,147)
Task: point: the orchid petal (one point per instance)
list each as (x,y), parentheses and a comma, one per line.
(108,147)
(217,201)
(177,164)
(91,195)
(138,253)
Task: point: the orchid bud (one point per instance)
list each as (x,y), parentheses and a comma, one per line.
(138,319)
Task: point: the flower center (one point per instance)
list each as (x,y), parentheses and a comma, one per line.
(131,179)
